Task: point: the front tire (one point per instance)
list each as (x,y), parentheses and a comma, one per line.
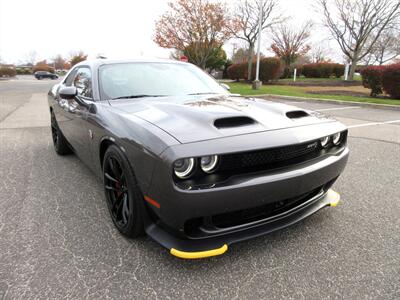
(59,141)
(123,195)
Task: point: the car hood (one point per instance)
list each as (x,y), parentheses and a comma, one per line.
(197,118)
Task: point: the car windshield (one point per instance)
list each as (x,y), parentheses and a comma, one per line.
(145,79)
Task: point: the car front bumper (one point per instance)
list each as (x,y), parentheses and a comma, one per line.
(217,245)
(177,206)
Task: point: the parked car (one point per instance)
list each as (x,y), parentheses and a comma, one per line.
(44,74)
(190,164)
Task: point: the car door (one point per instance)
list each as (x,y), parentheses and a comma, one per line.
(74,111)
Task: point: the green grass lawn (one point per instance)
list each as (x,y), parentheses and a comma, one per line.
(245,89)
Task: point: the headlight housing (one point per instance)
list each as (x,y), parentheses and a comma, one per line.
(209,163)
(324,141)
(184,167)
(336,138)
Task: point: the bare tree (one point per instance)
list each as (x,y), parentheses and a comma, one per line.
(289,43)
(247,15)
(240,56)
(58,62)
(357,24)
(386,48)
(319,52)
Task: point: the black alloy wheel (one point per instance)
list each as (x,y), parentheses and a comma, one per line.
(123,195)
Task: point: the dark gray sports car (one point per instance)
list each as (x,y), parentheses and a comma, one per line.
(195,167)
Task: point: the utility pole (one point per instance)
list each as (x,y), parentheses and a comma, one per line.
(257,83)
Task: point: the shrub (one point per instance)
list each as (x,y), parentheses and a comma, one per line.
(7,71)
(237,71)
(338,70)
(322,70)
(372,79)
(391,80)
(43,67)
(299,71)
(269,69)
(23,71)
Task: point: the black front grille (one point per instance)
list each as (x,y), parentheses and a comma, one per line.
(214,224)
(269,156)
(261,212)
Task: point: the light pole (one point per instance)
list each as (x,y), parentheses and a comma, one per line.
(257,83)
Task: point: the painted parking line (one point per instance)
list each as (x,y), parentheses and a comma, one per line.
(338,108)
(374,123)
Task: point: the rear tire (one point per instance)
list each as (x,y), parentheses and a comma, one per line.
(60,143)
(123,195)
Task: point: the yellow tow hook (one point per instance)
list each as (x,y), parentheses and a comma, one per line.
(334,198)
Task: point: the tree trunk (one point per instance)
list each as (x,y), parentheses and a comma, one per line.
(203,65)
(353,66)
(250,61)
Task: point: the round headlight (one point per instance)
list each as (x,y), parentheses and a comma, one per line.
(324,141)
(336,138)
(183,168)
(208,163)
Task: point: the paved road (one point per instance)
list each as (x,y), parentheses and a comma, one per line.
(57,240)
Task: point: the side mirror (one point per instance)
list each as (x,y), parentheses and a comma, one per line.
(68,92)
(225,86)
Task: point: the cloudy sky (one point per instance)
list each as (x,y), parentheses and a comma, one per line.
(115,28)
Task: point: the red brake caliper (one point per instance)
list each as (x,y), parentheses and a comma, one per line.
(118,189)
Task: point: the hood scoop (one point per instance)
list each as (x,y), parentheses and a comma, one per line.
(297,114)
(231,122)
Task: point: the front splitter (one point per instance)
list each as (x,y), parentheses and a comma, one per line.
(217,245)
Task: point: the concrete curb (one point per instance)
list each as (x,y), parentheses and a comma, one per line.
(302,99)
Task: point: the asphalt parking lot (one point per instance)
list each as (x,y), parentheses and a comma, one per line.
(57,239)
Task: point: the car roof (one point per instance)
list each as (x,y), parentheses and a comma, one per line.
(99,62)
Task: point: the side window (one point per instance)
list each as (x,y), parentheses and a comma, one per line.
(83,82)
(68,81)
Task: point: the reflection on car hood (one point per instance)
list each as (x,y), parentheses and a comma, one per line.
(193,118)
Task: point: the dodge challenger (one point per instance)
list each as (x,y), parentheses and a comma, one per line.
(188,163)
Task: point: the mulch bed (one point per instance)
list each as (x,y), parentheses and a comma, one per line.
(339,93)
(319,83)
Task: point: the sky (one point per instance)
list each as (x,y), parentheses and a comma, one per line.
(114,28)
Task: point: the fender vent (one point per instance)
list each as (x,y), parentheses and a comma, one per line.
(297,114)
(233,122)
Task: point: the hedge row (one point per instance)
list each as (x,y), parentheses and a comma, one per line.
(322,70)
(269,70)
(6,71)
(24,71)
(372,79)
(382,79)
(391,80)
(43,68)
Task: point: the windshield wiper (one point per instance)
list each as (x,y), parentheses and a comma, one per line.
(205,93)
(137,96)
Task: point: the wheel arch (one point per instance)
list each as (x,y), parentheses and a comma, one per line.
(104,144)
(142,175)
